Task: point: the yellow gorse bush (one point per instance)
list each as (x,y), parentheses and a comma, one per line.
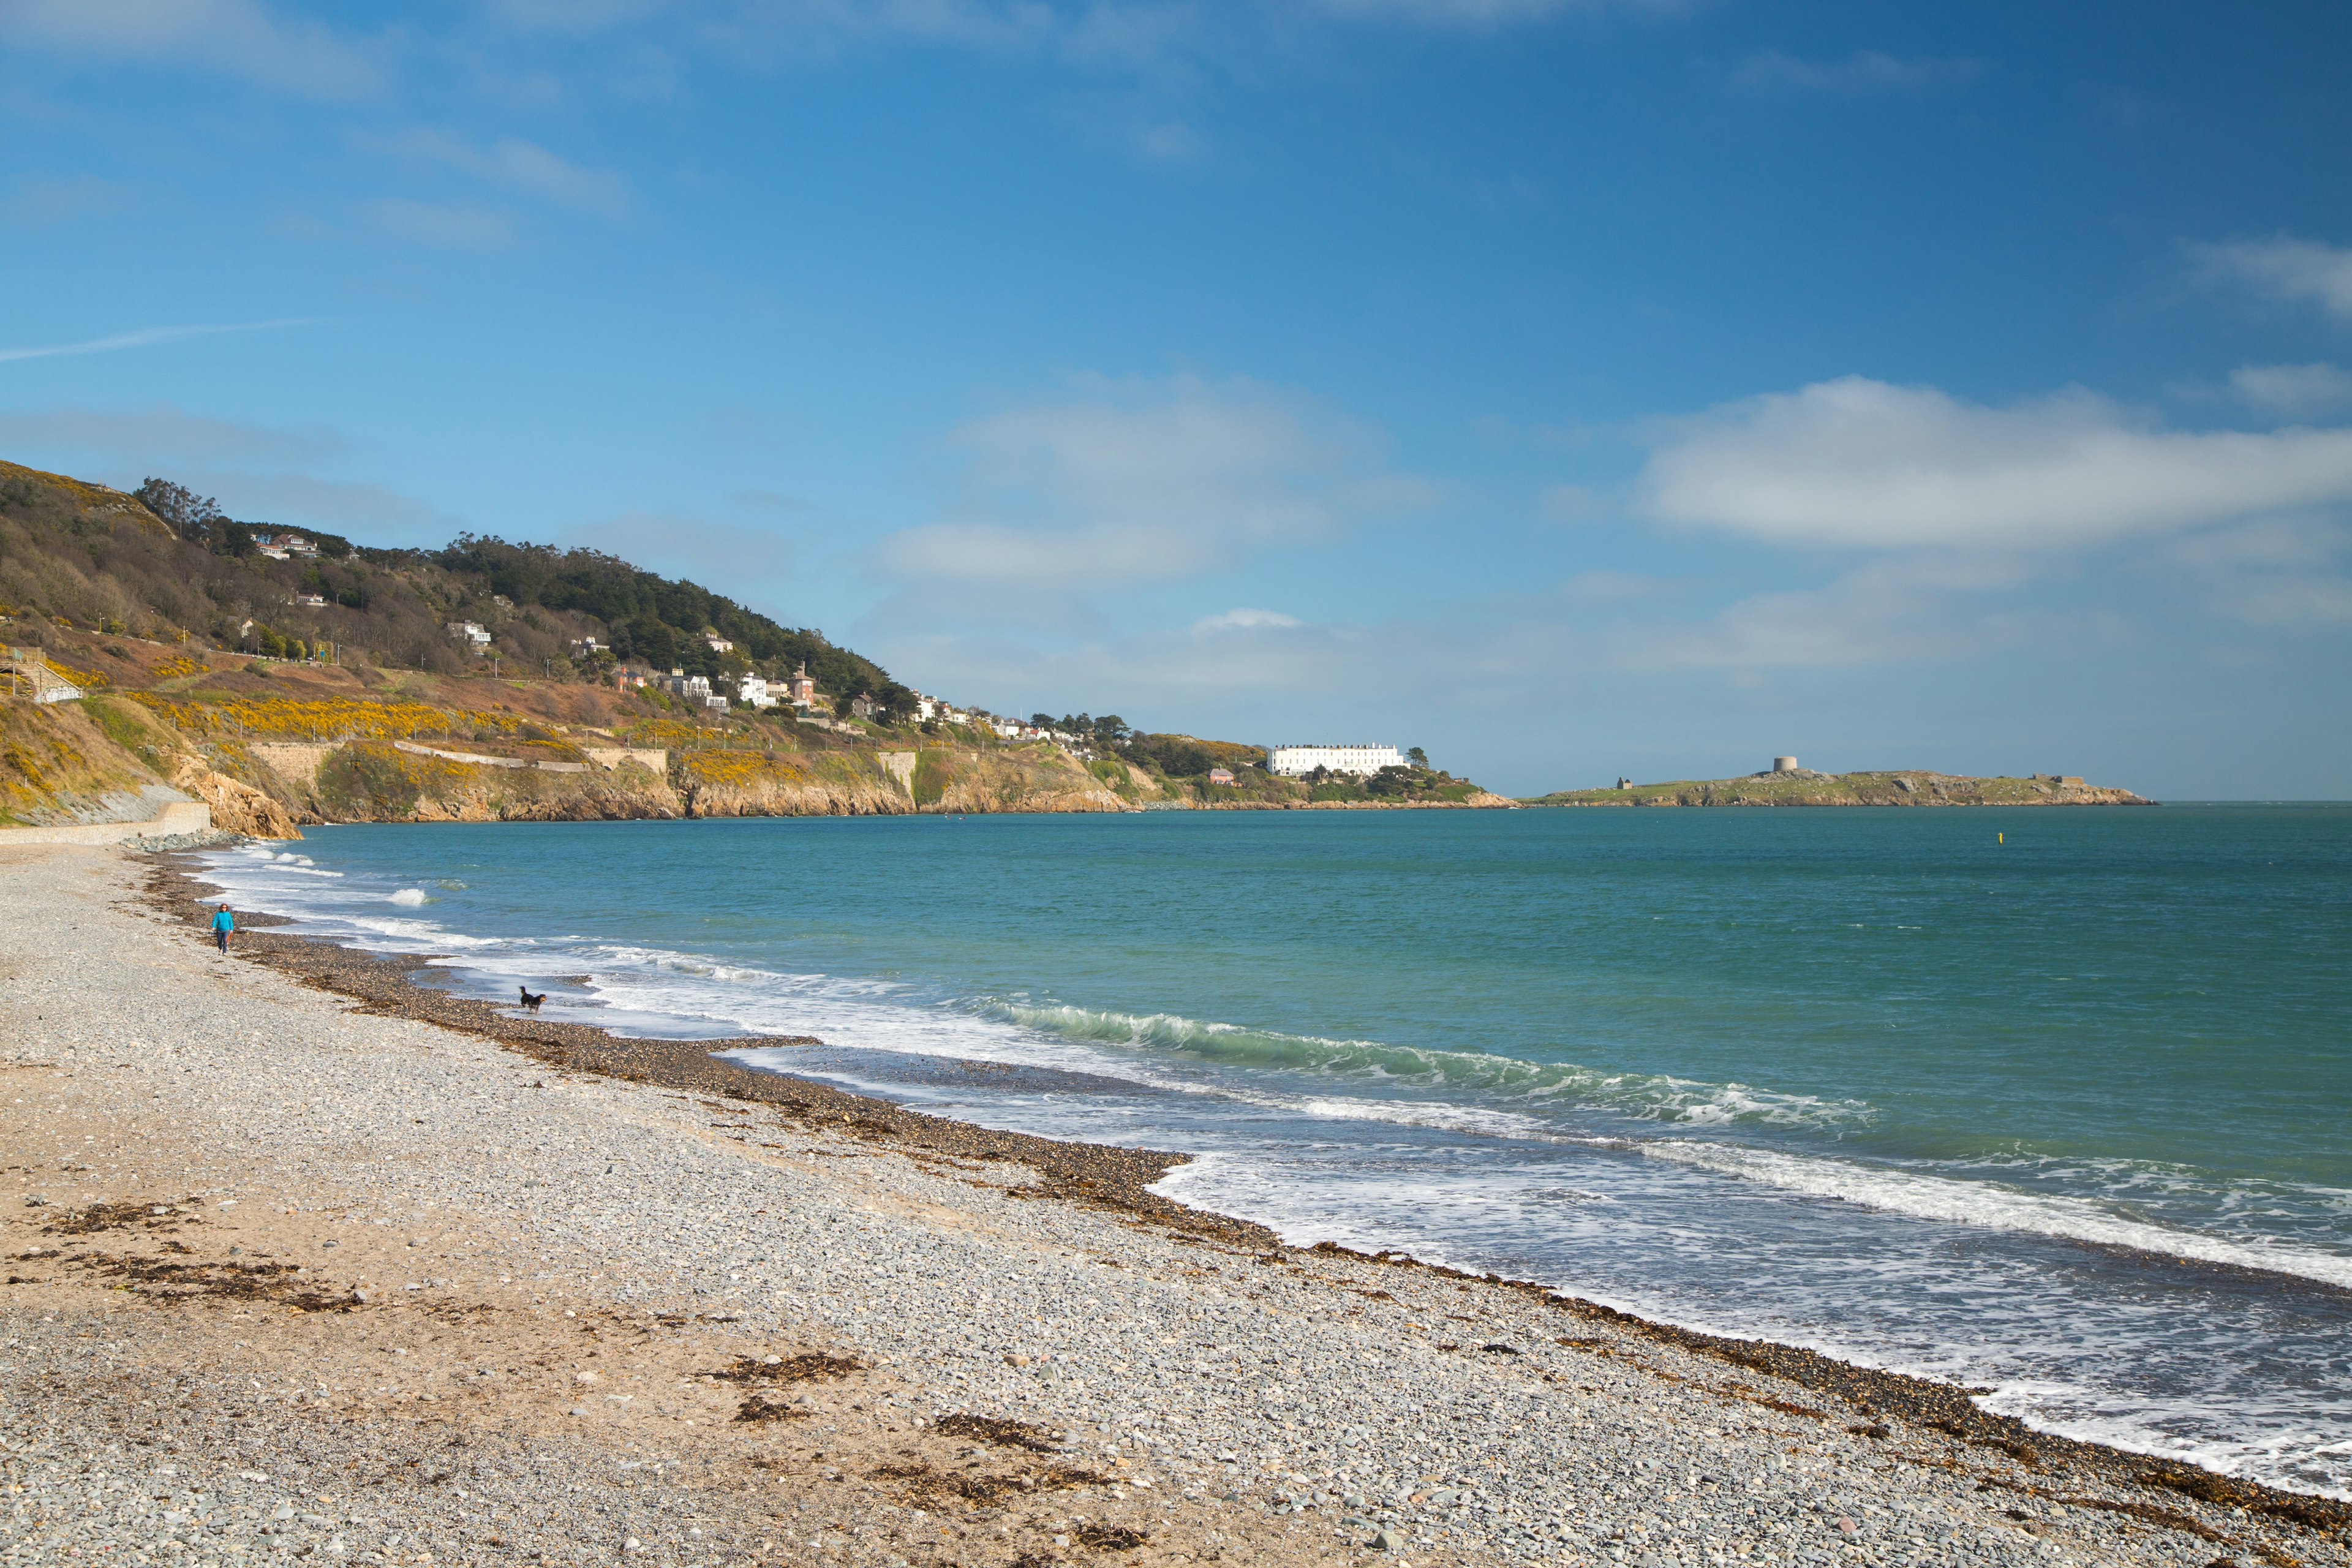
(331,718)
(88,679)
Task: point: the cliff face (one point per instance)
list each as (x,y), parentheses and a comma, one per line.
(1806,787)
(861,783)
(373,780)
(379,781)
(102,761)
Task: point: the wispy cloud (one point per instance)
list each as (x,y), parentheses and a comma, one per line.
(147,337)
(513,164)
(230,37)
(1476,12)
(431,223)
(162,434)
(2292,389)
(1134,481)
(2302,272)
(1864,72)
(40,201)
(1860,463)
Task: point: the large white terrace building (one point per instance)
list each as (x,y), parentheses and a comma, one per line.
(1366,760)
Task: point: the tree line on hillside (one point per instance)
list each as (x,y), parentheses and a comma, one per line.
(205,573)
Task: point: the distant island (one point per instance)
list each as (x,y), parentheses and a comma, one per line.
(1785,784)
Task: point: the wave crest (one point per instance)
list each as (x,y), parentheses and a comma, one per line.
(1654,1097)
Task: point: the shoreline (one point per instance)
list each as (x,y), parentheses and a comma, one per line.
(303,1255)
(1118,1178)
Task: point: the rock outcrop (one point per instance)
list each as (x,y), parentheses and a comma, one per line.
(1901,787)
(238,807)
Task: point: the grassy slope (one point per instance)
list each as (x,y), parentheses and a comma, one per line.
(59,763)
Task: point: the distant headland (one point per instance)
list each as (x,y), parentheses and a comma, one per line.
(1786,784)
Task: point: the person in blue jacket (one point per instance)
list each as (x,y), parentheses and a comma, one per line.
(224,927)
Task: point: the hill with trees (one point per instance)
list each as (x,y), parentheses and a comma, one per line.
(245,661)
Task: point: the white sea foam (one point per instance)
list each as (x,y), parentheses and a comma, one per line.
(1649,1096)
(1991,1205)
(410,896)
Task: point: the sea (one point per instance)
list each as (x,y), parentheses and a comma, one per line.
(2051,1104)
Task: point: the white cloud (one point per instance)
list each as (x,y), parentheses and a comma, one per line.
(522,167)
(2292,389)
(1864,72)
(234,37)
(1144,481)
(1861,463)
(147,337)
(1243,620)
(2304,271)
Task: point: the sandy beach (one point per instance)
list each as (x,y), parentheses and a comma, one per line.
(305,1261)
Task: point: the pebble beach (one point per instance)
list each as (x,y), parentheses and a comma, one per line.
(306,1262)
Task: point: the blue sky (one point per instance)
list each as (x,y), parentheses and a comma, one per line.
(1572,388)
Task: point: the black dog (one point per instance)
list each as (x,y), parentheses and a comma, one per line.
(528,1001)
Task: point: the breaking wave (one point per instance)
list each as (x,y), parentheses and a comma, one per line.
(1654,1097)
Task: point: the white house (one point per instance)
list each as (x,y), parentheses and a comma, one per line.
(753,689)
(473,634)
(1293,760)
(718,644)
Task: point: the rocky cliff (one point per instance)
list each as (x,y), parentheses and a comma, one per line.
(100,760)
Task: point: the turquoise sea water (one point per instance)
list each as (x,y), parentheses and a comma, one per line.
(2062,1116)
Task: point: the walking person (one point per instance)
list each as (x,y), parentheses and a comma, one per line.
(224,927)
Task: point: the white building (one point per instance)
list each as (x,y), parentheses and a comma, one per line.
(753,689)
(1293,760)
(718,644)
(473,634)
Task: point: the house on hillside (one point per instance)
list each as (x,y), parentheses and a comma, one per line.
(1221,775)
(864,705)
(718,644)
(310,600)
(588,648)
(753,689)
(802,688)
(1295,762)
(473,634)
